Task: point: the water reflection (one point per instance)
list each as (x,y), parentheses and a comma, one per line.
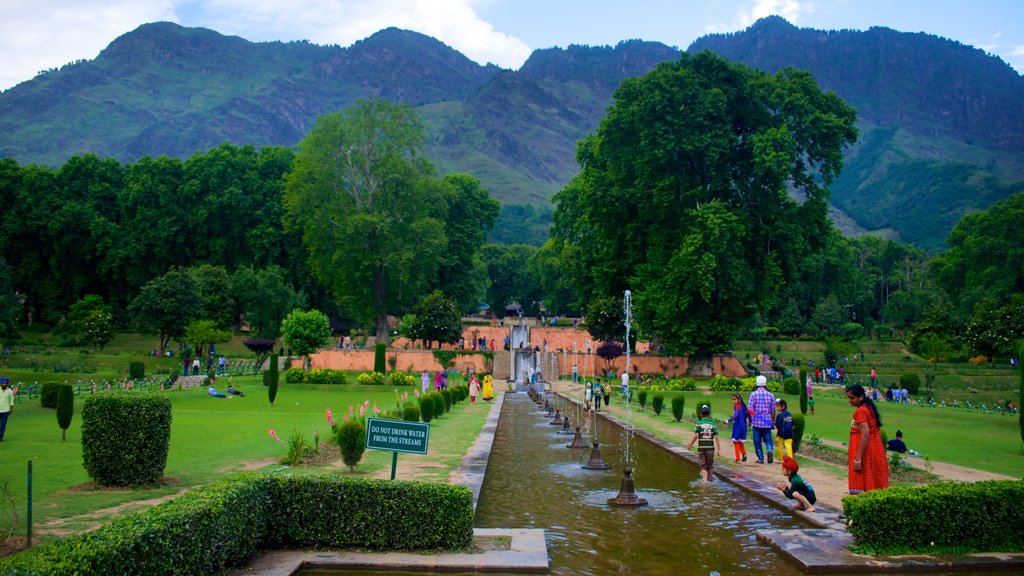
(534,481)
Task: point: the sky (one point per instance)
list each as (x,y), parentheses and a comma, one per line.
(37,35)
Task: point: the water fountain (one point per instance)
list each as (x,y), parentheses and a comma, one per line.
(557,421)
(627,496)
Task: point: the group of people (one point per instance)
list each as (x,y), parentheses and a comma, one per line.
(867,465)
(475,389)
(212,391)
(193,366)
(595,392)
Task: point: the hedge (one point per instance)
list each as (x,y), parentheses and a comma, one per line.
(981,516)
(226,523)
(125,437)
(48,394)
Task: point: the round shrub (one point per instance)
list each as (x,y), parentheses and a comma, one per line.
(438,400)
(910,381)
(678,403)
(411,412)
(351,442)
(137,369)
(426,408)
(791,386)
(371,379)
(446,394)
(48,394)
(657,403)
(396,378)
(125,438)
(291,376)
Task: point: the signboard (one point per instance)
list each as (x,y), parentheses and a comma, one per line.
(397,435)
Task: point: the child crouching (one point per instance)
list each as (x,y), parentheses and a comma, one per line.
(796,488)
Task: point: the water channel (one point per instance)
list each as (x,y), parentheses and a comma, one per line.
(534,481)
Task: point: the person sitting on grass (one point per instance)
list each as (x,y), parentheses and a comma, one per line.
(235,391)
(896,444)
(797,489)
(213,392)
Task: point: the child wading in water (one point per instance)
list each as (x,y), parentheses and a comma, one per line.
(707,432)
(796,489)
(740,419)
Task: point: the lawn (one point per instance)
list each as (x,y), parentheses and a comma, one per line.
(210,439)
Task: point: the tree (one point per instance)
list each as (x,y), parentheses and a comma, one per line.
(304,332)
(167,304)
(684,196)
(65,409)
(468,213)
(8,304)
(214,288)
(89,320)
(828,318)
(508,276)
(437,319)
(609,351)
(264,298)
(361,193)
(605,318)
(199,334)
(791,323)
(261,347)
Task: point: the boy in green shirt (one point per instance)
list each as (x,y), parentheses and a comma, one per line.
(797,489)
(706,432)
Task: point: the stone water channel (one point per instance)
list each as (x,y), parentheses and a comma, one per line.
(535,481)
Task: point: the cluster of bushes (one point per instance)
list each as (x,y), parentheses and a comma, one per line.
(224,524)
(673,385)
(393,378)
(724,384)
(314,376)
(981,516)
(436,404)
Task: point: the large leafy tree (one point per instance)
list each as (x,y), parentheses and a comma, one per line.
(508,276)
(361,193)
(264,298)
(437,319)
(468,212)
(305,331)
(8,304)
(685,196)
(166,304)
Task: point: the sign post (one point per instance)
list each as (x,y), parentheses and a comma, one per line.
(397,436)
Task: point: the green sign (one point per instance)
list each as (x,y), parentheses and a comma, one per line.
(397,435)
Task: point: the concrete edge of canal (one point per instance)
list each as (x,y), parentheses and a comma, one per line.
(825,548)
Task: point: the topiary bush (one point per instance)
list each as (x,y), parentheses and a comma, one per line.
(791,386)
(48,394)
(396,378)
(439,403)
(272,379)
(657,403)
(411,412)
(380,357)
(137,369)
(799,424)
(678,404)
(979,516)
(65,409)
(911,381)
(291,376)
(446,394)
(426,407)
(323,376)
(351,442)
(803,391)
(371,378)
(125,438)
(641,398)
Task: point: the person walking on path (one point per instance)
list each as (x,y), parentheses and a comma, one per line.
(424,381)
(867,465)
(6,404)
(474,389)
(740,419)
(706,435)
(762,411)
(437,381)
(488,389)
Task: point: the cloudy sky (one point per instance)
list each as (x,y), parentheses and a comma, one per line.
(41,34)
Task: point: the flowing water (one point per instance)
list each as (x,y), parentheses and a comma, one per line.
(689,527)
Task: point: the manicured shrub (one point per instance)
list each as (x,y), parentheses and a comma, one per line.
(371,379)
(791,386)
(657,403)
(799,424)
(911,381)
(446,394)
(352,442)
(439,403)
(125,438)
(411,412)
(137,369)
(396,378)
(980,516)
(379,357)
(426,407)
(291,376)
(272,379)
(678,404)
(323,376)
(641,398)
(803,391)
(65,408)
(48,394)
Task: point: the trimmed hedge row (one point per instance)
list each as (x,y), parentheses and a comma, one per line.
(125,437)
(224,524)
(983,516)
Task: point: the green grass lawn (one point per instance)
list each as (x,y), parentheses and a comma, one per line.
(968,438)
(211,439)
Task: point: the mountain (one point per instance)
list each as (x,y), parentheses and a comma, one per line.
(942,127)
(942,124)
